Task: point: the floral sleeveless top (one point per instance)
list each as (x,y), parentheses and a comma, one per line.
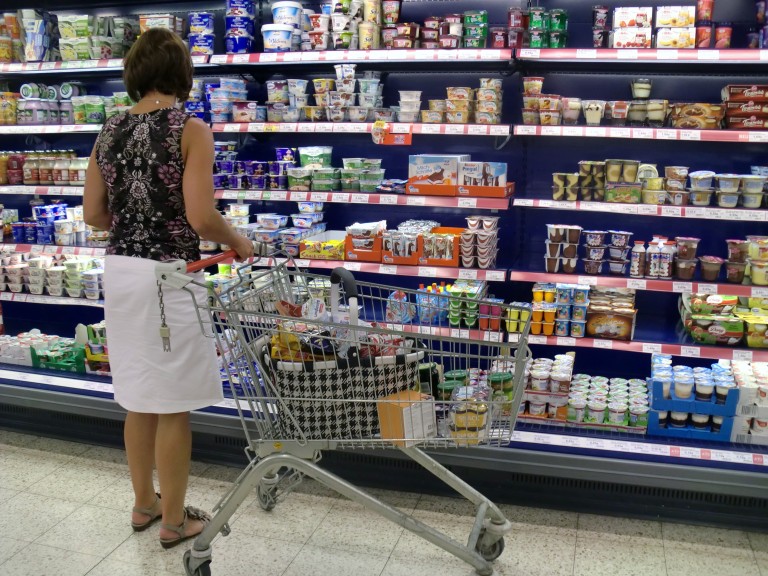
(140,159)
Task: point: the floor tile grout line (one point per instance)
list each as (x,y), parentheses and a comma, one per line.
(415,507)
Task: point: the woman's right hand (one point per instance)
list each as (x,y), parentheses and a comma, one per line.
(244,248)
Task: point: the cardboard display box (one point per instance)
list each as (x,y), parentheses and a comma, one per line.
(406,417)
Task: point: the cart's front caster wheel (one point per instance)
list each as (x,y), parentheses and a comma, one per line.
(266,496)
(489,552)
(202,570)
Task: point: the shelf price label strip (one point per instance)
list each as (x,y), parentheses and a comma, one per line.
(743,136)
(645,55)
(360,128)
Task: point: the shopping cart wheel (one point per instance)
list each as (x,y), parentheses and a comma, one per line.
(491,551)
(266,496)
(202,570)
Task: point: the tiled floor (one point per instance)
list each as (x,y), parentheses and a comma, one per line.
(65,513)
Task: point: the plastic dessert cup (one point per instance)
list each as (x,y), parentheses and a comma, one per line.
(619,239)
(701,197)
(728,182)
(594,252)
(752,200)
(728,199)
(686,247)
(556,232)
(738,250)
(617,268)
(686,269)
(533,84)
(734,272)
(710,267)
(593,266)
(552,265)
(594,237)
(683,389)
(759,271)
(701,179)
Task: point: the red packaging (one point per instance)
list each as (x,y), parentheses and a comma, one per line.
(723,33)
(745,93)
(498,37)
(704,10)
(746,109)
(515,18)
(747,123)
(704,35)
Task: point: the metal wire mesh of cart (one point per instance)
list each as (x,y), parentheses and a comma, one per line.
(325,358)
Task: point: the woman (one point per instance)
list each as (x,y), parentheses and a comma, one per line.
(150,183)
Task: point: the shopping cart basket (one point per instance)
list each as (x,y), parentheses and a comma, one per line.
(324,362)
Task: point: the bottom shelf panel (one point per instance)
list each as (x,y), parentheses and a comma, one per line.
(547,436)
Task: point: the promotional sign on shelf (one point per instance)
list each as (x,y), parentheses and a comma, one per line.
(383,134)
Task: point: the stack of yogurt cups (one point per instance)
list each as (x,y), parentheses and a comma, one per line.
(201,35)
(285,32)
(221,95)
(599,400)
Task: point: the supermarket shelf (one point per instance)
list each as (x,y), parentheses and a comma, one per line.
(80,393)
(52,300)
(105,65)
(671,286)
(703,213)
(400,57)
(52,250)
(688,351)
(364,128)
(364,198)
(395,270)
(742,136)
(644,56)
(52,129)
(43,190)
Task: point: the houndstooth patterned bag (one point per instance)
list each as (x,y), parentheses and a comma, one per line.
(339,403)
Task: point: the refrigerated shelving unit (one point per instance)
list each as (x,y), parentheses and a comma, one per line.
(556,466)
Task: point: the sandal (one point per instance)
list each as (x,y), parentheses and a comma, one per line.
(190,513)
(151,512)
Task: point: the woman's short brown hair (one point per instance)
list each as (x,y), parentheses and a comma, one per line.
(159,60)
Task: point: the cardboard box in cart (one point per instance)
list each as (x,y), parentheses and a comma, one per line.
(406,417)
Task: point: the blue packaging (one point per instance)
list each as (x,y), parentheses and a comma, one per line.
(201,22)
(201,44)
(239,181)
(240,8)
(235,44)
(19,231)
(239,26)
(225,166)
(259,181)
(30,234)
(220,180)
(279,182)
(255,167)
(209,88)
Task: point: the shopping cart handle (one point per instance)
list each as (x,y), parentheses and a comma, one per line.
(205,262)
(346,279)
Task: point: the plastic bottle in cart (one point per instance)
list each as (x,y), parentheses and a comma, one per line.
(667,260)
(637,260)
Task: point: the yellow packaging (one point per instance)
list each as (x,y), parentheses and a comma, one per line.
(406,417)
(325,246)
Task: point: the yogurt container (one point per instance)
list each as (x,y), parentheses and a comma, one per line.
(201,44)
(287,13)
(277,37)
(201,22)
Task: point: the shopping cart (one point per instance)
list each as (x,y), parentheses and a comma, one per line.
(324,363)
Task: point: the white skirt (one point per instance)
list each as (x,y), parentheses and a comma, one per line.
(145,378)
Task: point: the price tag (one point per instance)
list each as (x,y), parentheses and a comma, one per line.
(360,198)
(50,250)
(492,336)
(353,128)
(573,131)
(690,135)
(587,280)
(455,129)
(708,288)
(659,450)
(416,201)
(252,127)
(9,247)
(494,275)
(477,130)
(524,202)
(667,55)
(666,134)
(69,250)
(305,127)
(219,59)
(340,198)
(353,266)
(401,128)
(760,292)
(604,344)
(427,272)
(563,341)
(293,56)
(323,127)
(388,269)
(319,196)
(430,128)
(586,53)
(625,208)
(536,339)
(514,338)
(279,195)
(690,351)
(682,287)
(742,355)
(674,211)
(648,210)
(426,330)
(454,333)
(6,296)
(498,130)
(627,54)
(48,65)
(299,196)
(424,54)
(303,263)
(464,334)
(595,132)
(621,133)
(551,131)
(526,130)
(467,203)
(546,203)
(388,199)
(529,53)
(644,133)
(709,55)
(467,274)
(758,137)
(652,348)
(636,284)
(447,55)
